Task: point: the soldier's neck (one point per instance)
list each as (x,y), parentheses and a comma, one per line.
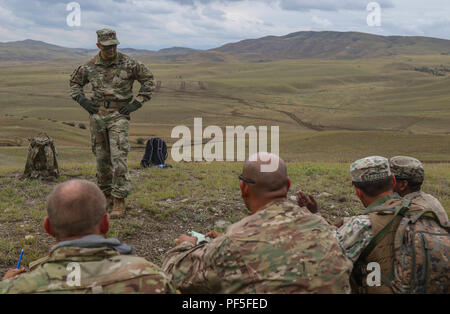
(368,200)
(261,202)
(76,237)
(107,58)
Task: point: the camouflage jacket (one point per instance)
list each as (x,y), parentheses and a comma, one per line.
(356,232)
(428,202)
(112,80)
(89,270)
(280,249)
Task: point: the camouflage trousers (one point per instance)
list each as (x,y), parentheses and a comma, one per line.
(109,136)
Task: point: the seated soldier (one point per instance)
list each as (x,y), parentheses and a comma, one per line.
(410,174)
(83,260)
(279,248)
(374,185)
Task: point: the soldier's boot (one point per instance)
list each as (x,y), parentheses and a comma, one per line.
(119,208)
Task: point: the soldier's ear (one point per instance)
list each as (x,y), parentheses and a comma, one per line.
(244,188)
(99,46)
(104,224)
(401,185)
(394,181)
(288,185)
(48,227)
(358,192)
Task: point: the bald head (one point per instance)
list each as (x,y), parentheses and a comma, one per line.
(269,172)
(75,208)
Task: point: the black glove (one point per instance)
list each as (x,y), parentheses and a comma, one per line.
(87,104)
(131,107)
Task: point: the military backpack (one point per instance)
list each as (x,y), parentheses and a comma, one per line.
(155,153)
(42,158)
(421,252)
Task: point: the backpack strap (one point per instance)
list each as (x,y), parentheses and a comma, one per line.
(146,160)
(159,151)
(414,219)
(400,210)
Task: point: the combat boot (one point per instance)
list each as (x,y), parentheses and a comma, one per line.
(119,208)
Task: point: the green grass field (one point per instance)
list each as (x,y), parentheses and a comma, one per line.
(168,202)
(330,113)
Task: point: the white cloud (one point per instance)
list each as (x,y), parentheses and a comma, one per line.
(324,23)
(158,24)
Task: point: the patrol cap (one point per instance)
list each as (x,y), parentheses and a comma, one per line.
(407,168)
(107,37)
(370,169)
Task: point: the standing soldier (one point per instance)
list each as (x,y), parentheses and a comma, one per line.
(111,75)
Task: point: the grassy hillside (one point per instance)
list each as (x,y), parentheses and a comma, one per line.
(326,109)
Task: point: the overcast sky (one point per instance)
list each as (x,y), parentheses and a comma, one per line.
(155,24)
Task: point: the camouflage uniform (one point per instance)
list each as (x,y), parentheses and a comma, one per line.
(412,170)
(103,270)
(112,83)
(280,249)
(357,232)
(428,202)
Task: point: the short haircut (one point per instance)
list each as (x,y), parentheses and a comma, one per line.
(414,186)
(266,182)
(75,208)
(375,188)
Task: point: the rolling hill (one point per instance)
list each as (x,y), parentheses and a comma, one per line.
(299,45)
(32,50)
(334,45)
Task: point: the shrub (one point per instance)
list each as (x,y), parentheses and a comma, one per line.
(69,123)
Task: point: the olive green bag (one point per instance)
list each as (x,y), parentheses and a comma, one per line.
(42,158)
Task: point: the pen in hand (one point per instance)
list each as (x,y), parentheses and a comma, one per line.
(20,259)
(15,271)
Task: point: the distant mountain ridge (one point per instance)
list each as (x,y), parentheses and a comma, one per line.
(345,45)
(299,45)
(34,50)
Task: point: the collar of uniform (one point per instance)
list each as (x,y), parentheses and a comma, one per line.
(413,195)
(74,254)
(272,203)
(81,254)
(381,200)
(100,61)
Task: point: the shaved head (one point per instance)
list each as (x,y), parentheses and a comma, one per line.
(266,182)
(75,208)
